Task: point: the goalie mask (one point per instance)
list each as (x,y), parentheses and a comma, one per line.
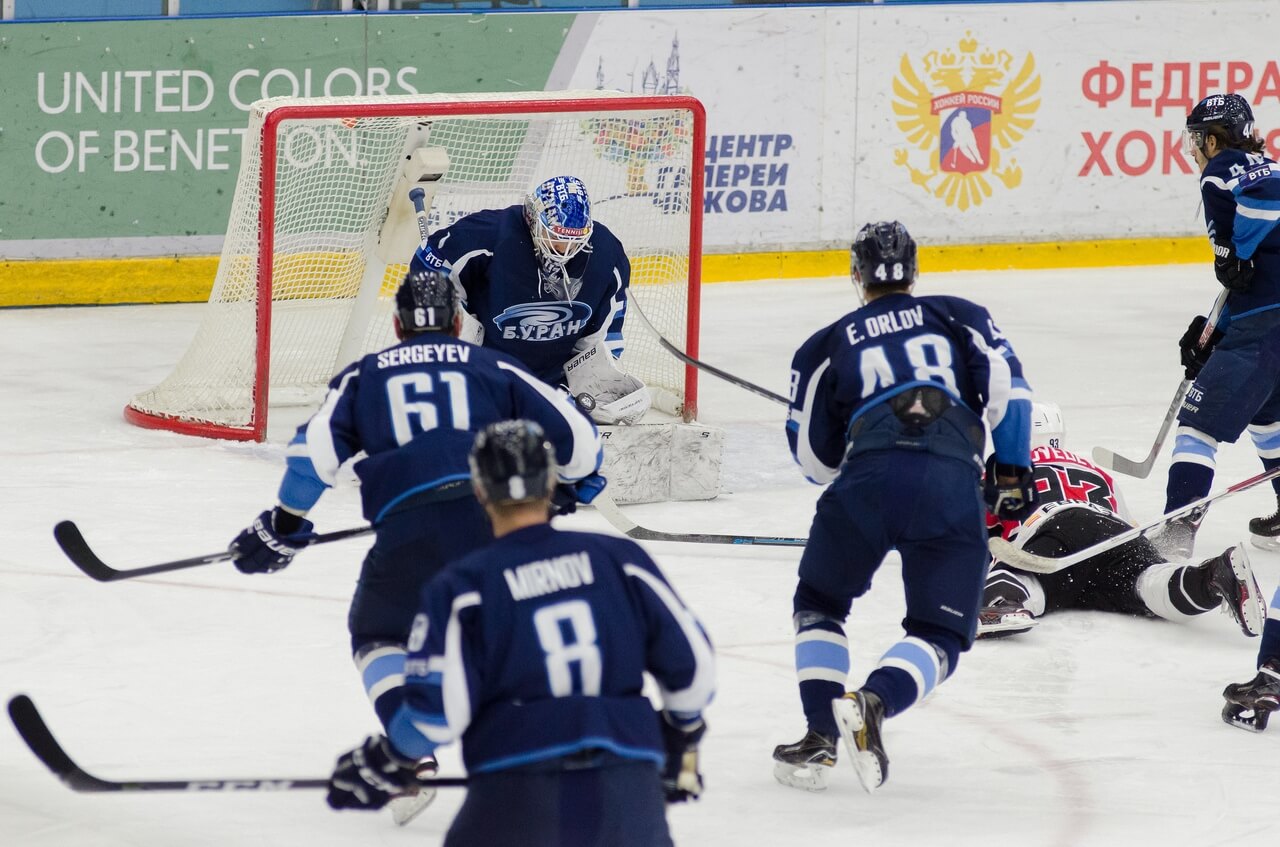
(1229,114)
(426,301)
(511,462)
(883,253)
(1047,427)
(558,213)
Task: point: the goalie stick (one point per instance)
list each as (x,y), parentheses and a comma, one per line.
(35,732)
(605,506)
(1115,462)
(72,542)
(701,365)
(1004,551)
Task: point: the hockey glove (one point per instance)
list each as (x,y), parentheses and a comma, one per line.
(1234,273)
(681,780)
(567,495)
(370,775)
(271,542)
(1194,356)
(1009,490)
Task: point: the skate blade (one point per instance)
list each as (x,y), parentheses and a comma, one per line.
(1242,718)
(1265,542)
(1008,625)
(849,720)
(406,807)
(1252,612)
(804,777)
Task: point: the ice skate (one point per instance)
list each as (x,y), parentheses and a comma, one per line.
(1231,579)
(1176,540)
(1265,532)
(1004,619)
(860,715)
(1250,704)
(806,763)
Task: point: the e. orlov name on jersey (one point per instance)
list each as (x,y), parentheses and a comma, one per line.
(543,321)
(887,323)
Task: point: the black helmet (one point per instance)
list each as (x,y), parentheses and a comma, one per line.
(511,462)
(883,254)
(426,301)
(1229,112)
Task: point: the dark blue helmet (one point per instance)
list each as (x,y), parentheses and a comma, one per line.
(883,253)
(1228,112)
(512,462)
(426,301)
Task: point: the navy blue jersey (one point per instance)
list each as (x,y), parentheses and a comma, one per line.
(535,647)
(522,305)
(414,410)
(1241,193)
(889,345)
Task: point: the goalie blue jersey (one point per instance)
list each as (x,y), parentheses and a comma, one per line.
(894,343)
(535,648)
(1241,193)
(524,307)
(414,410)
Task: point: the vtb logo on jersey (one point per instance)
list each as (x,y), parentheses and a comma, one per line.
(543,321)
(967,107)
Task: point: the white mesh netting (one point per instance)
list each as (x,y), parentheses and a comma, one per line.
(334,181)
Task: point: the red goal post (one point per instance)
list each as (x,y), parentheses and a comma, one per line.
(321,231)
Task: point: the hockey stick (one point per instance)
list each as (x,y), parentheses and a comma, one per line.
(35,732)
(1005,552)
(703,366)
(609,509)
(418,198)
(72,542)
(1113,461)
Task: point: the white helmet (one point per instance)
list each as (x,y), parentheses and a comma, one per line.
(1047,428)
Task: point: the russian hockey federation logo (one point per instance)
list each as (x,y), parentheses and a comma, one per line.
(966,109)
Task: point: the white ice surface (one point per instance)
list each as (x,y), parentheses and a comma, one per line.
(1093,729)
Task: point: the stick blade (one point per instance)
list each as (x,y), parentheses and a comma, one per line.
(1115,462)
(72,542)
(35,732)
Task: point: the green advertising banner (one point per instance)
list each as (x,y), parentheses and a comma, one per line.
(133,129)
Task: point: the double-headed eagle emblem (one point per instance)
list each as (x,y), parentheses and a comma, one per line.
(958,113)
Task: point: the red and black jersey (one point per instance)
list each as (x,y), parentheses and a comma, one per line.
(1064,477)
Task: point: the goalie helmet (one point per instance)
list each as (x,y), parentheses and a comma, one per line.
(1047,427)
(426,301)
(883,253)
(1229,113)
(511,462)
(558,213)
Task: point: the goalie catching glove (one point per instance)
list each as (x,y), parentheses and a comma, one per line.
(616,397)
(271,542)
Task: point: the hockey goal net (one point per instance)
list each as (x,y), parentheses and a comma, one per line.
(321,231)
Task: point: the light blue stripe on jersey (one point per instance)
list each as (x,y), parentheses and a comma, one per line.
(1250,232)
(301,486)
(925,661)
(383,667)
(1012,436)
(556,752)
(418,489)
(406,738)
(822,654)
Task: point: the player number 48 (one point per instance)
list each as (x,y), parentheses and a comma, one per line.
(883,273)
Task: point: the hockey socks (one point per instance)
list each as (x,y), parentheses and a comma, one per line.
(1177,592)
(822,666)
(1191,474)
(1269,649)
(381,666)
(909,671)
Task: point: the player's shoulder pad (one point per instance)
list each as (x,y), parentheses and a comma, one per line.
(1224,167)
(369,360)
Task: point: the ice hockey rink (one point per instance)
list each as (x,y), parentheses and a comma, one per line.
(1092,729)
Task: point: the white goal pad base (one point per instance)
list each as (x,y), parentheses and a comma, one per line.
(654,462)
